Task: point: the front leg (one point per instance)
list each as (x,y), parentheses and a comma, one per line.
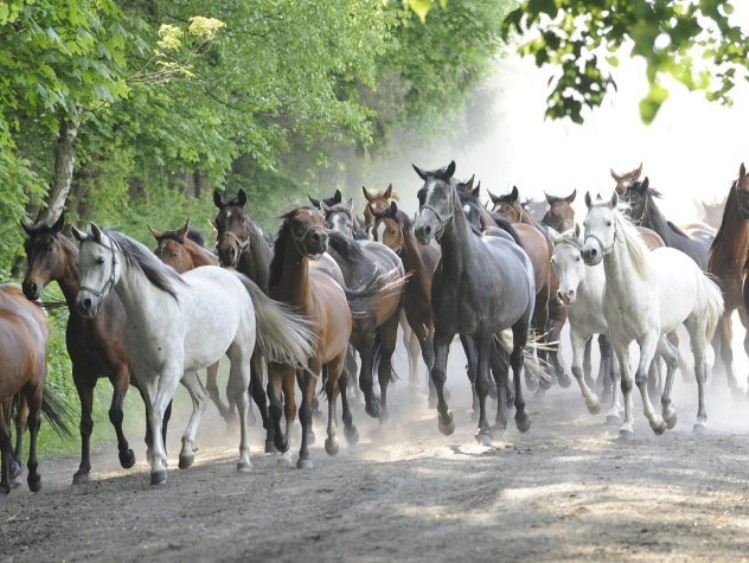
(120,383)
(445,420)
(648,345)
(86,395)
(579,341)
(199,397)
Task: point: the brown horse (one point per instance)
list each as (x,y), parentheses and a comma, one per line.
(623,181)
(726,261)
(324,303)
(96,346)
(550,315)
(184,250)
(561,215)
(23,349)
(377,202)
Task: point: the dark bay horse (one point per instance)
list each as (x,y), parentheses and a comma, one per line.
(323,301)
(377,202)
(550,314)
(727,262)
(96,346)
(374,334)
(561,214)
(184,250)
(482,286)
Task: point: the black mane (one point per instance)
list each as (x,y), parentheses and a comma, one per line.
(347,247)
(193,234)
(279,249)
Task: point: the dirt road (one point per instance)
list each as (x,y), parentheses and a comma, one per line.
(565,490)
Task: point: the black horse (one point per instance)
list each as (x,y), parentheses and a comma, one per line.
(482,286)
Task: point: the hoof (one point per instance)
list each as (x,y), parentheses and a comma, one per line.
(186,461)
(16,469)
(352,435)
(700,428)
(446,424)
(244,467)
(373,408)
(331,446)
(670,418)
(284,460)
(594,406)
(483,438)
(127,459)
(658,425)
(35,483)
(613,420)
(282,444)
(270,447)
(80,478)
(522,421)
(304,464)
(626,435)
(158,477)
(564,380)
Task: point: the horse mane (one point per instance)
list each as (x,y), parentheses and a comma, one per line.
(730,203)
(279,249)
(138,256)
(348,248)
(636,248)
(192,234)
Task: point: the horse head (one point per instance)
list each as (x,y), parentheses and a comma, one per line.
(170,248)
(567,262)
(306,227)
(45,257)
(388,229)
(561,215)
(233,228)
(436,202)
(600,229)
(98,269)
(339,217)
(508,205)
(623,181)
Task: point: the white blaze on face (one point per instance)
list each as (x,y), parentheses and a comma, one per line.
(380,231)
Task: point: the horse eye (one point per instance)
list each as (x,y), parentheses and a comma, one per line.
(100,260)
(391,231)
(577,258)
(608,223)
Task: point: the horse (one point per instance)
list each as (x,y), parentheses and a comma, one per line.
(536,208)
(727,262)
(561,215)
(710,213)
(185,250)
(377,202)
(358,232)
(374,334)
(482,286)
(659,290)
(96,347)
(623,181)
(24,332)
(550,315)
(178,324)
(325,304)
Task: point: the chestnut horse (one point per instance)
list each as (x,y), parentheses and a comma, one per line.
(96,346)
(727,262)
(185,250)
(550,315)
(322,300)
(23,350)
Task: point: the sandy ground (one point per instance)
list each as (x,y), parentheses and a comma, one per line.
(566,490)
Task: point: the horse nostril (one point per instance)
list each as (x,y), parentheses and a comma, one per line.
(427,230)
(34,288)
(87,303)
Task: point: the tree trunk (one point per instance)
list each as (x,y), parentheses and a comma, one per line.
(64,165)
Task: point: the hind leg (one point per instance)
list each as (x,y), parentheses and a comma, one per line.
(307,386)
(519,338)
(277,375)
(557,318)
(484,346)
(16,464)
(34,400)
(257,393)
(371,402)
(648,344)
(670,355)
(500,365)
(388,333)
(332,383)
(696,327)
(6,447)
(587,364)
(445,420)
(211,386)
(238,392)
(199,397)
(85,387)
(349,429)
(725,335)
(539,321)
(120,382)
(469,347)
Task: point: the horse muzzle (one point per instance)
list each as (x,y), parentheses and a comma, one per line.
(592,255)
(31,290)
(87,304)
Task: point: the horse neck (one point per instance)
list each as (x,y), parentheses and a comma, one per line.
(655,220)
(294,286)
(411,254)
(255,260)
(732,239)
(619,268)
(139,296)
(457,242)
(524,216)
(200,256)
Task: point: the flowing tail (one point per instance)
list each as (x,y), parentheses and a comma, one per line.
(361,300)
(283,336)
(715,307)
(56,413)
(535,367)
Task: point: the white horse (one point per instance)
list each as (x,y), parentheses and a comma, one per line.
(646,295)
(177,325)
(581,290)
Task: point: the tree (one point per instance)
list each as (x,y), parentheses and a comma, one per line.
(696,42)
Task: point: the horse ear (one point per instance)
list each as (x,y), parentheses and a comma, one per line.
(450,169)
(324,206)
(95,232)
(588,200)
(368,196)
(742,171)
(494,198)
(59,224)
(638,171)
(614,200)
(217,200)
(313,201)
(419,171)
(241,198)
(350,205)
(645,185)
(469,184)
(156,234)
(515,194)
(183,231)
(570,198)
(549,198)
(393,209)
(614,175)
(388,192)
(555,237)
(338,197)
(80,236)
(577,230)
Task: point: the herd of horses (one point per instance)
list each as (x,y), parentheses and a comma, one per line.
(327,295)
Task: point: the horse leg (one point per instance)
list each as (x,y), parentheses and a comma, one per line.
(519,339)
(162,393)
(670,354)
(276,375)
(408,338)
(698,341)
(500,364)
(605,366)
(539,321)
(371,403)
(622,353)
(557,318)
(648,344)
(120,382)
(335,376)
(445,420)
(240,377)
(211,386)
(6,448)
(725,333)
(483,346)
(85,387)
(34,401)
(22,415)
(613,416)
(199,397)
(349,429)
(351,369)
(469,347)
(744,317)
(388,334)
(578,342)
(587,364)
(257,393)
(307,385)
(289,401)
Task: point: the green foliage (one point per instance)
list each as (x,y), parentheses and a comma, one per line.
(695,42)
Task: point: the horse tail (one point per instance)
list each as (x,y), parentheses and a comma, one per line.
(56,412)
(537,368)
(282,336)
(360,300)
(715,306)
